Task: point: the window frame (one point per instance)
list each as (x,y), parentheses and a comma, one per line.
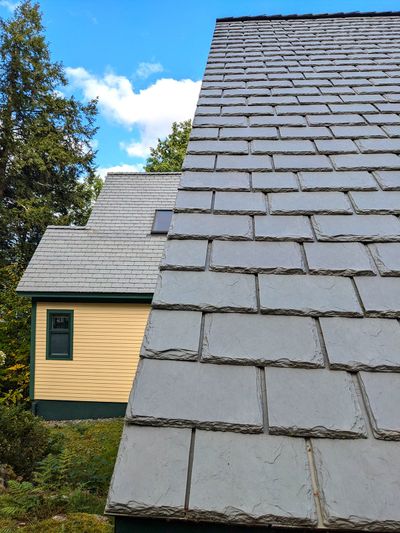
(49,331)
(155,232)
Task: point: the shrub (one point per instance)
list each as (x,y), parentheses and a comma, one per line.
(82,501)
(86,459)
(24,440)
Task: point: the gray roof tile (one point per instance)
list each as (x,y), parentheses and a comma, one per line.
(341,258)
(274,181)
(369,343)
(184,255)
(252,339)
(301,162)
(308,203)
(313,404)
(189,394)
(277,491)
(363,228)
(240,203)
(277,257)
(160,476)
(341,181)
(381,203)
(180,335)
(388,180)
(205,291)
(381,297)
(248,133)
(283,228)
(231,181)
(387,258)
(218,226)
(366,162)
(282,147)
(381,392)
(243,162)
(308,295)
(360,490)
(193,201)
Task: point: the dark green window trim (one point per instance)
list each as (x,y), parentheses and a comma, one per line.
(32,353)
(49,332)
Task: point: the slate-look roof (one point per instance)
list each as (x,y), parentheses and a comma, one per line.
(269,388)
(114,252)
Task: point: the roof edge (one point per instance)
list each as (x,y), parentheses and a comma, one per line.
(144,173)
(293,16)
(139,297)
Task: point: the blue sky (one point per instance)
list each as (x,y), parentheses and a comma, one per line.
(144,59)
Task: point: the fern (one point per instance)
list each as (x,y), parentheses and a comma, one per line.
(21,499)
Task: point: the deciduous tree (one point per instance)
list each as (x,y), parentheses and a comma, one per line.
(169,153)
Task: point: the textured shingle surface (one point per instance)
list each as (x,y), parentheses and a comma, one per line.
(115,252)
(300,279)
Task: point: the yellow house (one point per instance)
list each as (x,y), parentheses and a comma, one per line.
(91,289)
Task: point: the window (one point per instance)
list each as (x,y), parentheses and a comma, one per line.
(59,334)
(162,221)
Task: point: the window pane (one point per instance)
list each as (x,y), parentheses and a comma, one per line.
(162,221)
(60,322)
(59,344)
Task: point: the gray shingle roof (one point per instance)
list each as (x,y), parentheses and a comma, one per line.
(269,382)
(115,252)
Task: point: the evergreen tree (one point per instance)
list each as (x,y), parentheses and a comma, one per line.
(47,172)
(169,154)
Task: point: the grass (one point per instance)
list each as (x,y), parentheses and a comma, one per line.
(69,486)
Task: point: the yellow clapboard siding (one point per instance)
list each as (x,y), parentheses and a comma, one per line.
(106,343)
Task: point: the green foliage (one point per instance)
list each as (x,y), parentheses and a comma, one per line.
(45,139)
(15,316)
(25,501)
(169,153)
(24,440)
(74,523)
(86,458)
(65,485)
(70,523)
(20,500)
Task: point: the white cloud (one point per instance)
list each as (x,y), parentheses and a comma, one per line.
(145,70)
(102,171)
(11,6)
(94,143)
(151,110)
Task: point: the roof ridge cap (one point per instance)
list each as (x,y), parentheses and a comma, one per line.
(294,16)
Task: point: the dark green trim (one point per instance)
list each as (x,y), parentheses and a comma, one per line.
(73,410)
(32,353)
(124,524)
(49,355)
(145,297)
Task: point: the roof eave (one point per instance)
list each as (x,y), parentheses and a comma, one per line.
(136,297)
